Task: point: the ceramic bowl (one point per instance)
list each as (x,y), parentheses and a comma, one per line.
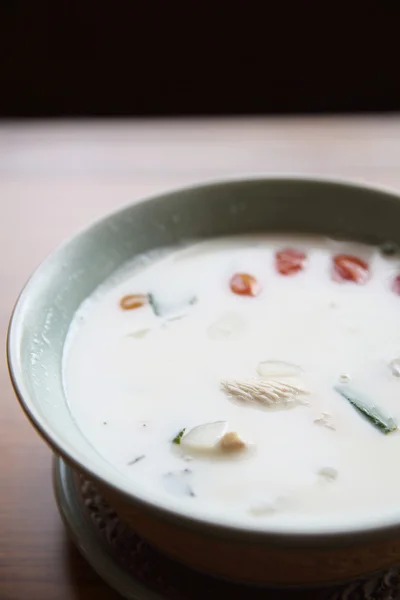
(46,307)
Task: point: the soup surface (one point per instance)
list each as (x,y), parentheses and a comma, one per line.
(253,379)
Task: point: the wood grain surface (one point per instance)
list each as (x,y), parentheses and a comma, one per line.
(56,177)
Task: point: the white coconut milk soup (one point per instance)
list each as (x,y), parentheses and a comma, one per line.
(255,379)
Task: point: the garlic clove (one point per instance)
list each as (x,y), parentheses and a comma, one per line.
(204,438)
(232,442)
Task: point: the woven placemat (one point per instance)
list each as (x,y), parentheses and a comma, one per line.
(174,581)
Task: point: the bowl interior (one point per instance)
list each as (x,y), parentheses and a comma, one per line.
(51,297)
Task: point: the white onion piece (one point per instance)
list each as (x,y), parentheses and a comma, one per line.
(204,438)
(325,420)
(278,369)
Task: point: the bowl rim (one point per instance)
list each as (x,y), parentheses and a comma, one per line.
(383,526)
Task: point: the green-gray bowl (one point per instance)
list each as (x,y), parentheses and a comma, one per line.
(47,305)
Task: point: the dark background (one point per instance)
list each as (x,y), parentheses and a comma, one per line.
(70,58)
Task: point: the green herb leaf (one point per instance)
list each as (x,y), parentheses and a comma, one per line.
(136,460)
(154,305)
(372,413)
(161,309)
(178,437)
(389,248)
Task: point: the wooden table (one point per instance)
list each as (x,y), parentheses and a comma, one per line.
(55,178)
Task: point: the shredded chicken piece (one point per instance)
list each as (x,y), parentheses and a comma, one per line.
(268,392)
(232,442)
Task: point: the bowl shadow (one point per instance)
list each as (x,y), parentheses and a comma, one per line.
(84,582)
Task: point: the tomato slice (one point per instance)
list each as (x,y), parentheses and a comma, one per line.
(396,285)
(244,285)
(290,261)
(132,301)
(350,268)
